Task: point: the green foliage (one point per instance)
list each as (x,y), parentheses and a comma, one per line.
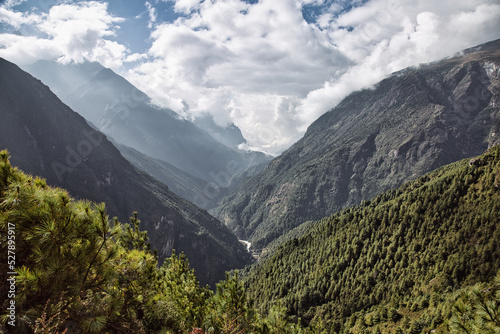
(70,259)
(372,141)
(393,261)
(477,309)
(79,272)
(411,260)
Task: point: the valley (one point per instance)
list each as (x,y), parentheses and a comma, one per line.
(383,218)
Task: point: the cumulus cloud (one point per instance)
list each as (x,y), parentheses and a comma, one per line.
(261,65)
(261,54)
(186,6)
(16,19)
(69,32)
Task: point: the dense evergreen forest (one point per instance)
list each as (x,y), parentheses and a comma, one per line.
(420,258)
(80,272)
(407,261)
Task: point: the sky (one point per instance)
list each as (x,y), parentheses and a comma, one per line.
(271,67)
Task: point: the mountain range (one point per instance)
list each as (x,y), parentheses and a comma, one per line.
(120,110)
(376,139)
(46,138)
(382,218)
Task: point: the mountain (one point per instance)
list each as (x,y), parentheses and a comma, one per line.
(199,192)
(229,135)
(396,263)
(65,78)
(120,110)
(46,138)
(376,139)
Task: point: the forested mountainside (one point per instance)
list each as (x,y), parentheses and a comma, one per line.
(46,138)
(120,110)
(399,262)
(402,263)
(376,139)
(77,271)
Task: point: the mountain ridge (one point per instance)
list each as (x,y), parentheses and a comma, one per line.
(374,140)
(407,250)
(120,110)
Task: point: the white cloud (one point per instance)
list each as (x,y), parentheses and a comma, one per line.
(186,6)
(79,30)
(261,65)
(69,32)
(152,14)
(238,60)
(26,49)
(16,19)
(424,31)
(12,3)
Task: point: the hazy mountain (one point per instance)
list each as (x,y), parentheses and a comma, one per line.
(376,139)
(65,78)
(394,263)
(229,135)
(120,110)
(199,192)
(46,138)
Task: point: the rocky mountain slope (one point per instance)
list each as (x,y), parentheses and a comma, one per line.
(376,139)
(46,138)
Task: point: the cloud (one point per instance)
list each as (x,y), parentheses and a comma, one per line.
(261,54)
(16,19)
(385,37)
(69,32)
(26,49)
(186,6)
(261,65)
(12,3)
(152,14)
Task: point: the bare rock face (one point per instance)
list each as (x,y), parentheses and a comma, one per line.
(410,123)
